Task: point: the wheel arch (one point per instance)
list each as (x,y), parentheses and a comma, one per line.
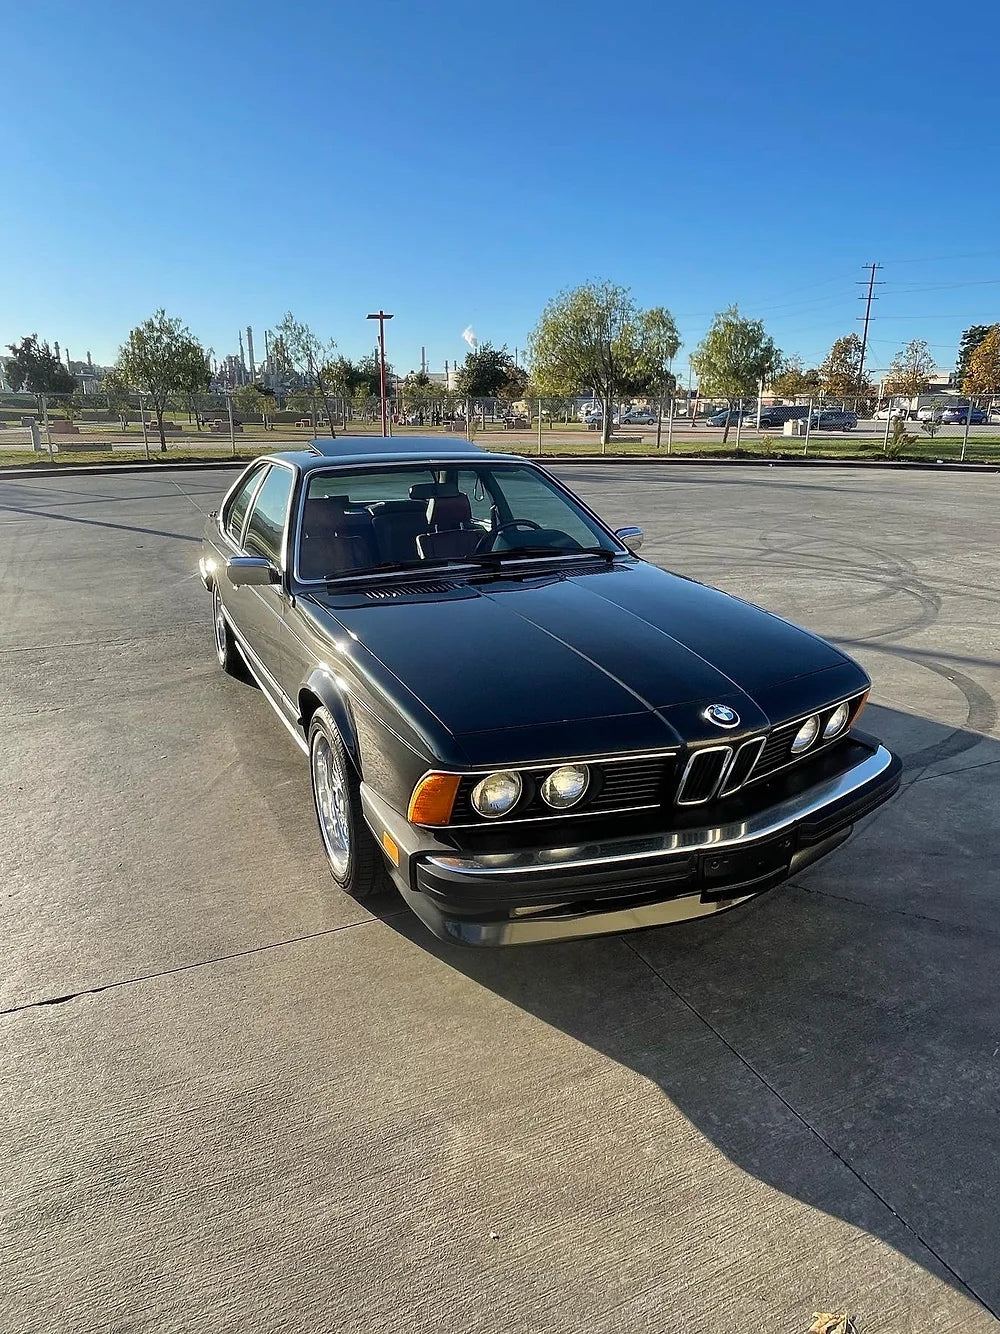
(320,690)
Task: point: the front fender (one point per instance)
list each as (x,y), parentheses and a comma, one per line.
(334,697)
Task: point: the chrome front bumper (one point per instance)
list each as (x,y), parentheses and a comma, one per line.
(623,884)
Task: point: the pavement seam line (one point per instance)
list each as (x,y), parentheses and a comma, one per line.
(188,497)
(187,967)
(758,1075)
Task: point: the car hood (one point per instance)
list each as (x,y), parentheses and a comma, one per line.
(628,642)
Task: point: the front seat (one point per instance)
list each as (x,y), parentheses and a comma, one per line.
(396,524)
(451,533)
(335,540)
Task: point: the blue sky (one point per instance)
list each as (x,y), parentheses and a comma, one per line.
(460,163)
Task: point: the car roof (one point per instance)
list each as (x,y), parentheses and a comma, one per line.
(354,449)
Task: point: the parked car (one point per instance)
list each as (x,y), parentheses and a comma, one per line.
(776,416)
(832,419)
(533,733)
(930,412)
(729,416)
(955,416)
(638,417)
(593,417)
(587,410)
(891,412)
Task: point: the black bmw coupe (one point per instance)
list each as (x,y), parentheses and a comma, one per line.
(534,733)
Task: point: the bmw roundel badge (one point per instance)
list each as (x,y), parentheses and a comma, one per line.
(722,715)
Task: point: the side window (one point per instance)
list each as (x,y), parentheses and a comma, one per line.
(240,503)
(267,521)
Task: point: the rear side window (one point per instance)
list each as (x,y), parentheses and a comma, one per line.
(267,520)
(240,503)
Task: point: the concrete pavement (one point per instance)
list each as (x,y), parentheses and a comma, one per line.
(233,1100)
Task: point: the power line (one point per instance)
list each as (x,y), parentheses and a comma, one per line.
(946,287)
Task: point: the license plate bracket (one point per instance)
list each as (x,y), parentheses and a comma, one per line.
(732,874)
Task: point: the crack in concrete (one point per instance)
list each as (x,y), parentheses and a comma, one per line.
(188,967)
(812,1130)
(978,929)
(950,773)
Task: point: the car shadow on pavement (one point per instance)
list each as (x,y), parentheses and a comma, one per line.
(837,1039)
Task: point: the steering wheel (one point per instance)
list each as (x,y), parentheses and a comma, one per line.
(489,543)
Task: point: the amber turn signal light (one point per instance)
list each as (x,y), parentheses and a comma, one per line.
(433,799)
(859,708)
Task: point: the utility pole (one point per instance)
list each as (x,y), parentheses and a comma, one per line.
(381,316)
(867,316)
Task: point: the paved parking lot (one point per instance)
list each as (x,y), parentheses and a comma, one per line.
(232,1100)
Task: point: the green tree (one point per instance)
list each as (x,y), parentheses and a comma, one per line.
(34,367)
(418,393)
(982,375)
(516,384)
(970,340)
(793,382)
(161,357)
(308,355)
(910,370)
(489,372)
(118,396)
(249,402)
(595,337)
(302,402)
(343,377)
(733,358)
(840,374)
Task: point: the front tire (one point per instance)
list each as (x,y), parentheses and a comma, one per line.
(354,858)
(226,652)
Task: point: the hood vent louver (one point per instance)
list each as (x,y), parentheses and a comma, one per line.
(391,591)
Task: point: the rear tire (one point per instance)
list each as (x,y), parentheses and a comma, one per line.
(353,856)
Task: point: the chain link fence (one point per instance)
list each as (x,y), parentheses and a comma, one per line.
(242,422)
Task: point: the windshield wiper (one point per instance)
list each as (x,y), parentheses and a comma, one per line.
(386,567)
(488,558)
(494,557)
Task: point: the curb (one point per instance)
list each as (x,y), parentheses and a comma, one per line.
(586,460)
(758,462)
(99,469)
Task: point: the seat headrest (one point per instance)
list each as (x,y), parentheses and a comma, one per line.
(425,490)
(334,506)
(396,507)
(449,511)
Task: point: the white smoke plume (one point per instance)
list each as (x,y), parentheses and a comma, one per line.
(469,335)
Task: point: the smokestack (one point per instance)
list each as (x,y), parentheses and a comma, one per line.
(58,353)
(68,367)
(423,361)
(90,364)
(250,351)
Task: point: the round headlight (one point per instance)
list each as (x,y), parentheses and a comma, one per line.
(806,735)
(837,721)
(495,795)
(565,786)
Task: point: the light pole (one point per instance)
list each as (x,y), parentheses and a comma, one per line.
(381,316)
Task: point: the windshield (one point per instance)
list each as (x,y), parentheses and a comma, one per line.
(368,519)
